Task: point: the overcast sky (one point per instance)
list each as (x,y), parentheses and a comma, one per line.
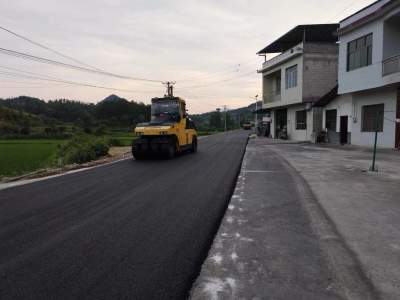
(157,40)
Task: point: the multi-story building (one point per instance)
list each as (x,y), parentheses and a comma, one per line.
(369,72)
(304,71)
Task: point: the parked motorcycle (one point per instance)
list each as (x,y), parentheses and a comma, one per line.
(283,133)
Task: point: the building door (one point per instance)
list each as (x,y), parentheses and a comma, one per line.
(280,121)
(343,129)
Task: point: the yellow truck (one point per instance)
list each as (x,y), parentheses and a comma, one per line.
(169,132)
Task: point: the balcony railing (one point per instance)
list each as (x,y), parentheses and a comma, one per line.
(391,65)
(272,97)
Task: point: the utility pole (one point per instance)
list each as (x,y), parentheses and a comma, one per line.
(255,124)
(170,87)
(225,116)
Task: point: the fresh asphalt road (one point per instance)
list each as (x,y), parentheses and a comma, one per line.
(127,230)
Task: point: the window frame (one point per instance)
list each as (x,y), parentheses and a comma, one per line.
(291,77)
(278,84)
(302,125)
(331,121)
(359,52)
(368,123)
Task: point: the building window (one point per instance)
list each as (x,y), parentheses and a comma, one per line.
(330,120)
(359,53)
(291,77)
(369,114)
(301,119)
(278,84)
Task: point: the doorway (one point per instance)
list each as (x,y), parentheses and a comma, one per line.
(280,121)
(343,129)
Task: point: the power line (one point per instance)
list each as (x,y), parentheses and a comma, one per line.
(210,76)
(205,74)
(47,78)
(68,66)
(44,47)
(215,83)
(10,81)
(325,10)
(343,10)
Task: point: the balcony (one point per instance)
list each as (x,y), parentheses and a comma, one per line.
(391,65)
(272,97)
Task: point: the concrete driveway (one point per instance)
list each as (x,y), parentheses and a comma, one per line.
(308,222)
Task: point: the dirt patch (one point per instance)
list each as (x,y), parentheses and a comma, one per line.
(114,154)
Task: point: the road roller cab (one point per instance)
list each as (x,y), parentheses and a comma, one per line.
(170,130)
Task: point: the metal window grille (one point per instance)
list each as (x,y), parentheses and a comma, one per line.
(331,119)
(301,120)
(369,113)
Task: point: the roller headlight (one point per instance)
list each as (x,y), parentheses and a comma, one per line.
(139,133)
(163,132)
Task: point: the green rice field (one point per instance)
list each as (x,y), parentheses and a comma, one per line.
(21,156)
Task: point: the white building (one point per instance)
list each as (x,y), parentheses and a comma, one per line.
(304,71)
(369,72)
(336,117)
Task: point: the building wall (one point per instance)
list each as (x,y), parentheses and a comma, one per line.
(391,46)
(293,134)
(288,96)
(370,76)
(367,77)
(299,135)
(320,72)
(363,13)
(344,106)
(385,95)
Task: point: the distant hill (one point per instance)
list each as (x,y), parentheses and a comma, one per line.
(19,100)
(111,98)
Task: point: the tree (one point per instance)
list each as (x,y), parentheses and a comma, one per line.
(125,122)
(114,122)
(230,121)
(87,119)
(141,118)
(215,120)
(101,130)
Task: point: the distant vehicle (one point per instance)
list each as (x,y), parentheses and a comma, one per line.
(247,125)
(170,130)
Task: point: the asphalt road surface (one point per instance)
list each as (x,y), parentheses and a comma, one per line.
(127,230)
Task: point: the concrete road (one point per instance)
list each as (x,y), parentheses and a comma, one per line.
(127,230)
(308,222)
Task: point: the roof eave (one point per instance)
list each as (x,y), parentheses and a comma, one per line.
(368,18)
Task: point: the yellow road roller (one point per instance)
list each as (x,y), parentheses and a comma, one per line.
(169,132)
(247,125)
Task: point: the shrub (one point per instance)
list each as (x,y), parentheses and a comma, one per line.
(114,142)
(82,148)
(101,130)
(8,128)
(87,130)
(47,130)
(62,129)
(25,131)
